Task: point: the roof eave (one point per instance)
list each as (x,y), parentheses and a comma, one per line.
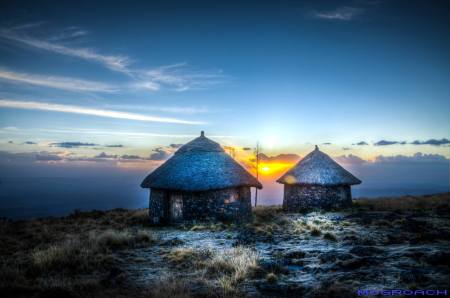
(318,184)
(258,186)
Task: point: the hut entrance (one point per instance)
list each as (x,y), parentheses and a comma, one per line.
(176,207)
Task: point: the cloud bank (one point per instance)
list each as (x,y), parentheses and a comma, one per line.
(433,142)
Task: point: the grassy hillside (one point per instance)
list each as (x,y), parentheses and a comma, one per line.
(116,253)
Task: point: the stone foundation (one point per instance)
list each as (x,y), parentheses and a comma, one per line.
(233,204)
(302,197)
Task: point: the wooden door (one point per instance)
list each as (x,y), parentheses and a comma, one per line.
(176,207)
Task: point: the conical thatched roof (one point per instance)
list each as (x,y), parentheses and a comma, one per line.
(317,168)
(200,165)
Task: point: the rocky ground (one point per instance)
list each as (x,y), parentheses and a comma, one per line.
(377,244)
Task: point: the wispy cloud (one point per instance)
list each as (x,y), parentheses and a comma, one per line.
(63,83)
(179,77)
(344,13)
(147,85)
(114,62)
(69,33)
(10,128)
(32,105)
(165,109)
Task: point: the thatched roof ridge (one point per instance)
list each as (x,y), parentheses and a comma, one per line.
(317,168)
(200,144)
(200,165)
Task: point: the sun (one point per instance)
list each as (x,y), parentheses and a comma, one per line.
(265,169)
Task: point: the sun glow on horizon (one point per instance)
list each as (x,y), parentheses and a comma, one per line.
(273,167)
(265,169)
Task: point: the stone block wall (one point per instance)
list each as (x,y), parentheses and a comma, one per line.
(301,197)
(232,204)
(157,206)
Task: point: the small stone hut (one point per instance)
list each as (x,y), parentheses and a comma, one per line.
(317,181)
(200,182)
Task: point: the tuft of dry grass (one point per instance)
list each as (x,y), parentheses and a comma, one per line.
(71,255)
(234,263)
(144,236)
(186,257)
(232,266)
(199,228)
(222,270)
(271,278)
(315,232)
(115,239)
(329,236)
(170,287)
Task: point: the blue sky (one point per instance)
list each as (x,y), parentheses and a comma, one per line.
(78,77)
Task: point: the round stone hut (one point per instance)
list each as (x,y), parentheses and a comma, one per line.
(317,181)
(200,182)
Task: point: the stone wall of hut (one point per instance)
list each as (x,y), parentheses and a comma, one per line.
(232,204)
(157,208)
(302,197)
